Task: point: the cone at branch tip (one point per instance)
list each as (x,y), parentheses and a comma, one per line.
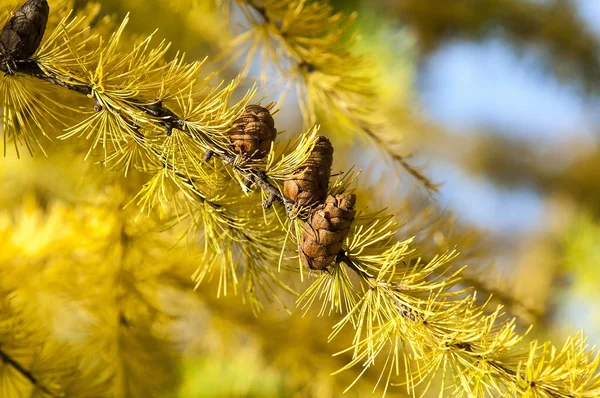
(324,233)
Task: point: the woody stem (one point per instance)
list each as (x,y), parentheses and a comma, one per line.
(7,359)
(169,120)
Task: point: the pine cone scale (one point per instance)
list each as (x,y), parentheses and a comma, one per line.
(21,36)
(324,233)
(309,185)
(319,222)
(253,132)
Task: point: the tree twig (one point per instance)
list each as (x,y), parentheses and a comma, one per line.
(25,373)
(170,121)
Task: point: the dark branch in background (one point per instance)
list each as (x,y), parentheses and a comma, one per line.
(431,186)
(7,359)
(571,50)
(512,303)
(512,164)
(259,9)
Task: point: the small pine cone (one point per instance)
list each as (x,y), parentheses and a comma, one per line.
(309,185)
(324,232)
(253,132)
(22,35)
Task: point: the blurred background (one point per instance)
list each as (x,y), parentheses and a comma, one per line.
(498,101)
(510,88)
(507,92)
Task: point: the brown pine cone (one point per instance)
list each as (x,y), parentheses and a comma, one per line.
(310,183)
(22,35)
(325,231)
(253,132)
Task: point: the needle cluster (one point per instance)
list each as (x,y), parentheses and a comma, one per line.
(154,120)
